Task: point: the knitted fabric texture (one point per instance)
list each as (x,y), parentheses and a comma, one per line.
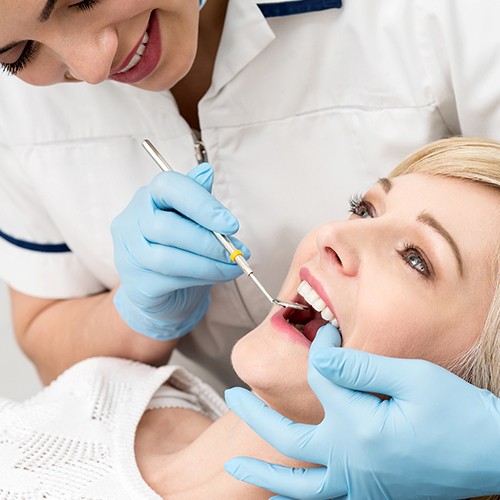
(75,439)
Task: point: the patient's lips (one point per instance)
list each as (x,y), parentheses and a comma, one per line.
(304,325)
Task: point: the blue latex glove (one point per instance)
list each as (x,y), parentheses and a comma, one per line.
(167,257)
(438,437)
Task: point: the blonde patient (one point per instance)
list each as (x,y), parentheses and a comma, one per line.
(412,273)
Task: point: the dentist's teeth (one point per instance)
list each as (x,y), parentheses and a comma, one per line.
(316,302)
(137,57)
(141,49)
(132,63)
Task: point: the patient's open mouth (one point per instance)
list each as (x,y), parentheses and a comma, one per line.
(317,315)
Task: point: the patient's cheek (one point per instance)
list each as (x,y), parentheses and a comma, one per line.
(307,248)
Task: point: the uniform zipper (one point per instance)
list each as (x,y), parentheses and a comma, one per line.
(200,151)
(201,154)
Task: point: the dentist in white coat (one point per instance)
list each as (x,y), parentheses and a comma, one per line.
(296,104)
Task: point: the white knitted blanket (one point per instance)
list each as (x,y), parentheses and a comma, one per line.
(75,439)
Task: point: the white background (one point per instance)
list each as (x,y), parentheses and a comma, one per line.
(18,379)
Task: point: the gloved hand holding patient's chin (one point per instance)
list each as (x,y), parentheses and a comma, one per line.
(436,437)
(167,256)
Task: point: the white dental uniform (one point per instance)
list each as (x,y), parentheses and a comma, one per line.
(306,107)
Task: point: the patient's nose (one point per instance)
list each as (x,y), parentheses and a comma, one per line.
(339,246)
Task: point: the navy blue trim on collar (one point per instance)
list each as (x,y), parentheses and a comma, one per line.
(37,247)
(279,9)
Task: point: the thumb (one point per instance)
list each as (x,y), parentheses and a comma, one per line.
(327,339)
(327,336)
(203,174)
(362,371)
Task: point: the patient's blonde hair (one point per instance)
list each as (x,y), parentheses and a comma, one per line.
(472,160)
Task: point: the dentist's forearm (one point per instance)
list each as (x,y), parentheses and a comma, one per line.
(55,334)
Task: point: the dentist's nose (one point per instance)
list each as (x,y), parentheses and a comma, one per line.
(339,246)
(91,57)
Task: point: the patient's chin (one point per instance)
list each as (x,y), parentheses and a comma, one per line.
(302,407)
(248,365)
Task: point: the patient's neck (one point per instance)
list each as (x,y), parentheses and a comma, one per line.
(187,461)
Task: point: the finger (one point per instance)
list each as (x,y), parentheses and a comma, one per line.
(171,229)
(157,285)
(329,394)
(286,436)
(327,337)
(174,191)
(286,481)
(173,262)
(362,371)
(203,174)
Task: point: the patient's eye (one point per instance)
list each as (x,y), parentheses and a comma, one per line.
(416,259)
(360,207)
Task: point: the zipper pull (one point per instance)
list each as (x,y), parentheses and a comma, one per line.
(200,151)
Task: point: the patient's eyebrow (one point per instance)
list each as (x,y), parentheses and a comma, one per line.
(385,183)
(430,221)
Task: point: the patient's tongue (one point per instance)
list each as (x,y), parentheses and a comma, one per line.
(311,328)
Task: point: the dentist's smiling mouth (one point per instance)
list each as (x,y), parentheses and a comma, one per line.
(144,57)
(317,315)
(139,51)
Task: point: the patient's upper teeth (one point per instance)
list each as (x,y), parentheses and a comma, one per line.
(304,288)
(312,297)
(326,314)
(315,301)
(319,304)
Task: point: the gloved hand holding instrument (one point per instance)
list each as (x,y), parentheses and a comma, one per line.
(167,256)
(171,244)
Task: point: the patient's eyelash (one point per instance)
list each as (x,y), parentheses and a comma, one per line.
(416,259)
(27,55)
(360,207)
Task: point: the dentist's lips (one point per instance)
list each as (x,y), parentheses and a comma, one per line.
(149,59)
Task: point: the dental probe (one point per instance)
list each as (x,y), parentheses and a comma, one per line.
(234,254)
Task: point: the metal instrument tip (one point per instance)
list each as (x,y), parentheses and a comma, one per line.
(292,305)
